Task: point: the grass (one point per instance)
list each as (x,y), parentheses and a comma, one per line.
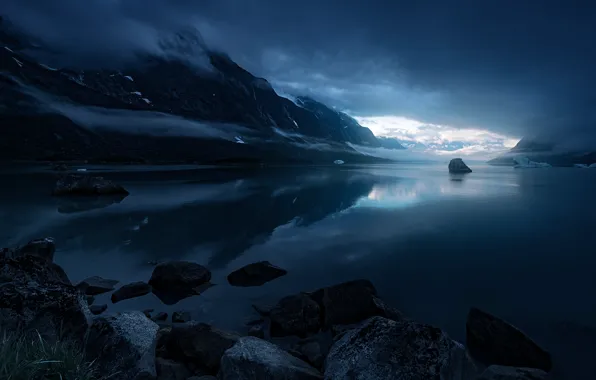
(32,358)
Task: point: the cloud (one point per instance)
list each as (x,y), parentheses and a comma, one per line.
(512,67)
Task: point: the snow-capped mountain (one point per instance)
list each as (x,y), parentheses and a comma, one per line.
(136,114)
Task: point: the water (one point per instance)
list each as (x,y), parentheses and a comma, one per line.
(517,243)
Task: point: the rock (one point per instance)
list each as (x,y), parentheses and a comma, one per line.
(171,370)
(386,349)
(135,289)
(295,315)
(497,372)
(123,346)
(147,312)
(98,309)
(43,248)
(351,302)
(96,285)
(255,274)
(491,340)
(199,343)
(257,331)
(181,276)
(457,166)
(34,298)
(160,317)
(253,358)
(314,353)
(181,317)
(87,185)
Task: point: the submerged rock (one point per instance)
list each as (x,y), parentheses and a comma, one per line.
(133,290)
(198,343)
(96,285)
(98,309)
(160,317)
(123,346)
(497,372)
(491,340)
(386,349)
(457,166)
(181,317)
(255,274)
(87,185)
(295,315)
(179,276)
(252,358)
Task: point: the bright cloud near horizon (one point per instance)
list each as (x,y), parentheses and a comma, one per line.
(438,139)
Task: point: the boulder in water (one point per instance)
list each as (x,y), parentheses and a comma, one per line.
(493,341)
(87,185)
(98,309)
(133,290)
(255,274)
(96,285)
(295,315)
(254,358)
(179,276)
(458,166)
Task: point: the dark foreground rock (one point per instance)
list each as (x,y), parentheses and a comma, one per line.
(171,370)
(43,248)
(352,302)
(198,343)
(252,358)
(181,317)
(295,315)
(87,185)
(96,285)
(385,349)
(133,290)
(179,276)
(123,346)
(457,166)
(497,372)
(36,295)
(493,341)
(255,274)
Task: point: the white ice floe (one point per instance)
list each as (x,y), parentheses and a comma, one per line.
(525,163)
(239,140)
(18,62)
(582,166)
(129,78)
(592,165)
(82,170)
(146,100)
(339,162)
(145,221)
(9,49)
(136,93)
(47,67)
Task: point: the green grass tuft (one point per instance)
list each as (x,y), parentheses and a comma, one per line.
(26,358)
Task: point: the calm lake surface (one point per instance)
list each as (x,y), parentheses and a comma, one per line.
(520,244)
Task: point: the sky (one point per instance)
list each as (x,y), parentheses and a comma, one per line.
(466,70)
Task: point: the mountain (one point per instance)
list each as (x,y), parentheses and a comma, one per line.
(543,150)
(390,143)
(137,114)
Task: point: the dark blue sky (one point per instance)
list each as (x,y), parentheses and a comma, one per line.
(514,67)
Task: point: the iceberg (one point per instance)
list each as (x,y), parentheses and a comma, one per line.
(339,162)
(526,163)
(582,166)
(592,165)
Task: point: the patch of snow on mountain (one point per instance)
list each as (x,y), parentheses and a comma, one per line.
(136,93)
(146,100)
(18,62)
(296,124)
(129,78)
(525,163)
(9,49)
(239,140)
(47,67)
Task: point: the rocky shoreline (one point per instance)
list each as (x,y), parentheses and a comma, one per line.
(344,331)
